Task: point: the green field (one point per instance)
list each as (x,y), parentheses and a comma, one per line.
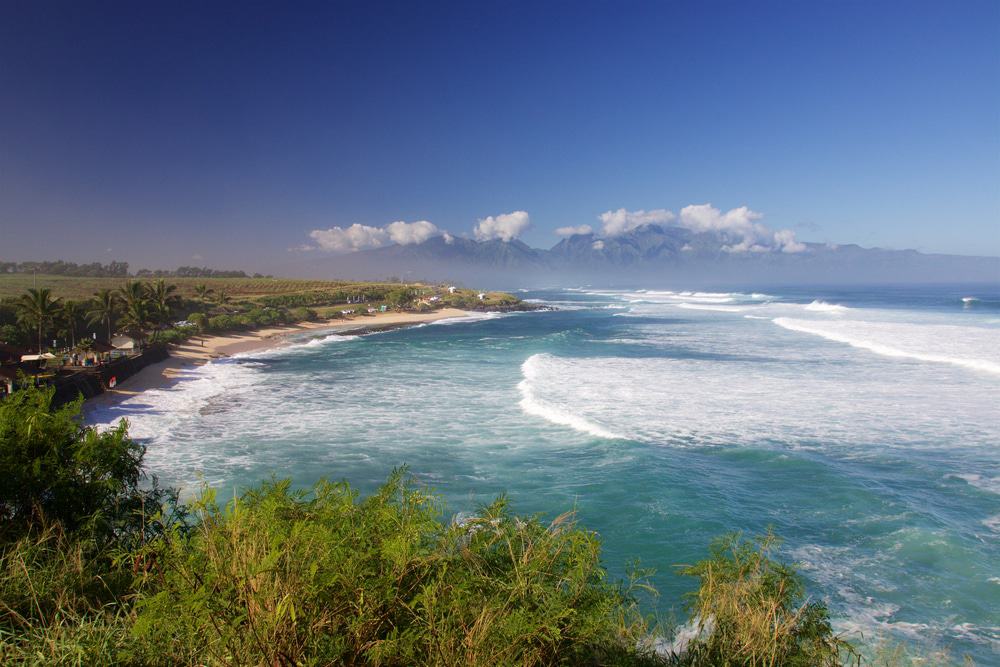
(75,288)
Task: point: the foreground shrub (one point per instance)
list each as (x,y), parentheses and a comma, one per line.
(750,610)
(55,470)
(282,577)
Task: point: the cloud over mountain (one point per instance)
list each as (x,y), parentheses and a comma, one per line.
(350,239)
(405,233)
(739,227)
(570,231)
(364,237)
(506,226)
(615,223)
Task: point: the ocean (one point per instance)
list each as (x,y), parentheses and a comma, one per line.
(862,424)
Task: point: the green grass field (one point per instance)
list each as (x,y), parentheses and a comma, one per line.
(74,288)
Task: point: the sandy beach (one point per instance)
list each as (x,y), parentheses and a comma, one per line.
(202,349)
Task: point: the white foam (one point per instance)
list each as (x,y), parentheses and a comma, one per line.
(471,317)
(292,348)
(824,307)
(155,412)
(974,348)
(532,369)
(702,306)
(969,299)
(705,401)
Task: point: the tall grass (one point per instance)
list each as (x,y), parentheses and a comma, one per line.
(750,610)
(285,577)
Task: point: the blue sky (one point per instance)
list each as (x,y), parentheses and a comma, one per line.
(175,133)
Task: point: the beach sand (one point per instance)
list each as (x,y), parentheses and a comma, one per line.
(202,349)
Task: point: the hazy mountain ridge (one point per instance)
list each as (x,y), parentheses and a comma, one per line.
(649,253)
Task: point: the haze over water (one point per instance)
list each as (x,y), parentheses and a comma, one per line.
(863,425)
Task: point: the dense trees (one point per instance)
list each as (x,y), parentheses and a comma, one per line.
(61,268)
(149,309)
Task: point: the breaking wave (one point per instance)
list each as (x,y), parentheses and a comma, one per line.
(532,369)
(292,348)
(704,306)
(824,307)
(946,344)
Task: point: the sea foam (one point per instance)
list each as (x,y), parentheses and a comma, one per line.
(974,348)
(532,369)
(824,307)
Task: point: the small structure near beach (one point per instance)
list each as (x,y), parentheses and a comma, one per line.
(124,343)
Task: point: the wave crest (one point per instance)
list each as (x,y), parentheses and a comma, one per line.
(531,369)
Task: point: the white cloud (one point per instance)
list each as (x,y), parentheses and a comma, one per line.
(571,231)
(506,227)
(597,245)
(785,239)
(406,233)
(618,222)
(739,228)
(364,237)
(707,218)
(354,238)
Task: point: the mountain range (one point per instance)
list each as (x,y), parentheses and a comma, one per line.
(651,254)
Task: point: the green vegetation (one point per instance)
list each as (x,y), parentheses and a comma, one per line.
(147,311)
(37,311)
(756,610)
(238,288)
(97,568)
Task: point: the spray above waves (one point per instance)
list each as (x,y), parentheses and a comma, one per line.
(973,348)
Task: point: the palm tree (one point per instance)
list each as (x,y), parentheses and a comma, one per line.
(69,316)
(37,309)
(222,297)
(136,315)
(103,309)
(162,301)
(202,290)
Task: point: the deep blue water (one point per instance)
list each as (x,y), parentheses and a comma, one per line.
(862,424)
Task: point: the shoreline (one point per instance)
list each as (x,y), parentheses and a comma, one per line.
(200,350)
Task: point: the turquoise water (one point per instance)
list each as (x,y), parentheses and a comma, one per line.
(863,425)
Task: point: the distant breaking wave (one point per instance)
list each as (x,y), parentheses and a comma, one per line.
(891,340)
(471,317)
(824,307)
(705,306)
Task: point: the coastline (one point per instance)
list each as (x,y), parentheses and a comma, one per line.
(200,350)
